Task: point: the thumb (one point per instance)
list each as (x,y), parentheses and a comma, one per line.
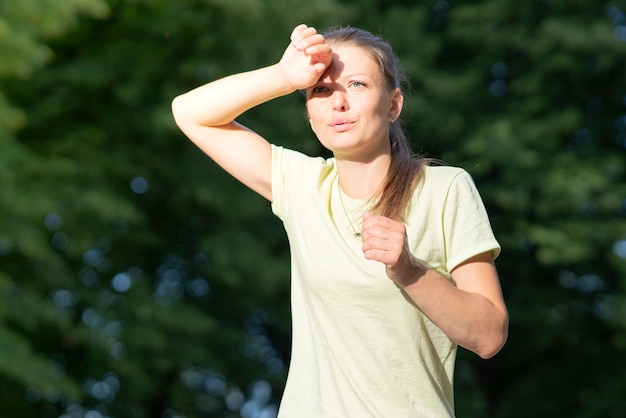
(319,68)
(315,70)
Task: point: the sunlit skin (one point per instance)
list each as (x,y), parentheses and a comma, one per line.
(349,108)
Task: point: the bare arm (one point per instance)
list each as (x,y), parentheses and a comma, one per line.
(472,313)
(470,309)
(207,114)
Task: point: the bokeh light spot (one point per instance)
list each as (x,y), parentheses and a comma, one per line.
(92,257)
(60,241)
(91,318)
(89,276)
(567,279)
(441,8)
(121,282)
(619,248)
(32,395)
(234,400)
(52,221)
(588,283)
(616,16)
(198,288)
(499,70)
(118,351)
(498,88)
(139,185)
(63,298)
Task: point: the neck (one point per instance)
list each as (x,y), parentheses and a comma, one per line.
(363,180)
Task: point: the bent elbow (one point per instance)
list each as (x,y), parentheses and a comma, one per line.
(176,109)
(490,350)
(496,341)
(182,117)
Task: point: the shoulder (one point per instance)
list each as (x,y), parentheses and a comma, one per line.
(441,177)
(446,184)
(285,158)
(299,172)
(443,172)
(297,177)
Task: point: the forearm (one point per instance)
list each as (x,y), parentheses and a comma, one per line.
(469,319)
(220,102)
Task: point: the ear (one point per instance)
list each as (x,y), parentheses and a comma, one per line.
(395,108)
(308,117)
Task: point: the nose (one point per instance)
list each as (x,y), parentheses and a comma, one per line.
(339,101)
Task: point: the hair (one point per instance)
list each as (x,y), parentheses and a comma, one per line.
(406,168)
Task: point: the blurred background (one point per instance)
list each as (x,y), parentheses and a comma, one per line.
(137,280)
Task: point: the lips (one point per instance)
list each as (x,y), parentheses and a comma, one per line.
(341,125)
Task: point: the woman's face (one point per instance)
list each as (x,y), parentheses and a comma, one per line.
(351,106)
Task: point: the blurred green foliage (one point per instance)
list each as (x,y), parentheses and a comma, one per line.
(139,280)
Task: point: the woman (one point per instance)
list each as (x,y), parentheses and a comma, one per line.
(392,259)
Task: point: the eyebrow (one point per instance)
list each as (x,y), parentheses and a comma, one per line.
(353,75)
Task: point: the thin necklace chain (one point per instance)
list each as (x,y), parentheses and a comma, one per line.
(356,233)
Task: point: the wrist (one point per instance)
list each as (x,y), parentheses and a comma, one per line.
(283,79)
(412,272)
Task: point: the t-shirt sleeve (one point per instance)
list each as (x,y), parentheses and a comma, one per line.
(294,174)
(467,229)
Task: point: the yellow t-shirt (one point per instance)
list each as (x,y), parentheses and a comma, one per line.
(361,347)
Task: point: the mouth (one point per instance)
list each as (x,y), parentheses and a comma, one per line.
(341,125)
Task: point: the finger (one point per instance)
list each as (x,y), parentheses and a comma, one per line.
(388,258)
(385,238)
(297,30)
(309,40)
(388,253)
(318,70)
(371,219)
(382,233)
(318,49)
(382,227)
(391,242)
(306,38)
(376,255)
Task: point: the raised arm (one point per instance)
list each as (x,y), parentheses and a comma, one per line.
(207,114)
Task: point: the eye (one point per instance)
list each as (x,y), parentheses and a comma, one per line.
(358,84)
(319,90)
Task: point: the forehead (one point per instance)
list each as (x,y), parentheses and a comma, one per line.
(351,60)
